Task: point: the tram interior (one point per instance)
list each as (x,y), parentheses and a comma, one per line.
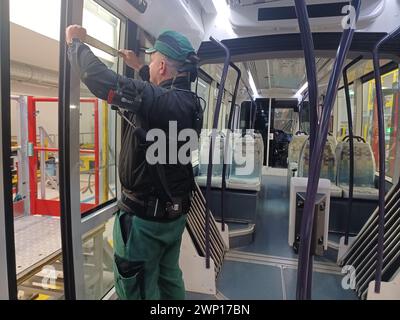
(260,209)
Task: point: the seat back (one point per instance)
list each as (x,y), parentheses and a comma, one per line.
(250,149)
(218,155)
(364,165)
(295,147)
(332,140)
(328,168)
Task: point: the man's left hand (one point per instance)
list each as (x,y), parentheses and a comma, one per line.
(75,32)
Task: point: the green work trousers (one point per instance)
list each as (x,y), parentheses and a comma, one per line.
(146,265)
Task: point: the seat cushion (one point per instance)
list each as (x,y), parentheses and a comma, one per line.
(216,182)
(336,192)
(365,193)
(247,184)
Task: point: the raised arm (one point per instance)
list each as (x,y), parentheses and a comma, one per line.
(99,79)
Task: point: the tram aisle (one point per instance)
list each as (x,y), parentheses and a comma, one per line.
(267,268)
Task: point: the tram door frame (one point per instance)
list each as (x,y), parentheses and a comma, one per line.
(8,285)
(74,226)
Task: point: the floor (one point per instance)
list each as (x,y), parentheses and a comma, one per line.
(267,268)
(44,232)
(263,270)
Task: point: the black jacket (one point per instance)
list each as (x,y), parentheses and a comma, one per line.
(159,106)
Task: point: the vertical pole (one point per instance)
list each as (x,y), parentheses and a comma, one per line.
(309,54)
(351,146)
(33,158)
(316,161)
(42,165)
(212,145)
(227,144)
(96,153)
(23,178)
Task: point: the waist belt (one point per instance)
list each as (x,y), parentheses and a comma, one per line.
(155,209)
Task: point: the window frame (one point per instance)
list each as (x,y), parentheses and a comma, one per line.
(8,285)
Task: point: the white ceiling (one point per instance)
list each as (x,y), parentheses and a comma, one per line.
(33,48)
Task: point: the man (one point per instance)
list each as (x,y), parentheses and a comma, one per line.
(155,199)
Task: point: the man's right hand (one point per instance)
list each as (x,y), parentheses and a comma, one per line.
(131,59)
(75,32)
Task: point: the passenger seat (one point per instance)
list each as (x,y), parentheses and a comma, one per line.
(364,170)
(295,147)
(252,143)
(205,138)
(328,168)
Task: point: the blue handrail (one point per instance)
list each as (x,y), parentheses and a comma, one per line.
(304,276)
(212,144)
(351,146)
(227,140)
(309,56)
(382,164)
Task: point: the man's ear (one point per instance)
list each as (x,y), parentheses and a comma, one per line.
(163,67)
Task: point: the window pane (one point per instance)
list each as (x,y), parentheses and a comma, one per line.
(390,84)
(104,26)
(97,121)
(283,120)
(203,91)
(98,261)
(34,126)
(98,172)
(342,118)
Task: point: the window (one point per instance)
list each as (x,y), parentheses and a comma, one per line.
(98,156)
(284,120)
(203,91)
(104,26)
(35,155)
(342,118)
(97,120)
(390,84)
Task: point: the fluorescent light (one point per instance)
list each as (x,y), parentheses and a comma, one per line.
(223,16)
(253,85)
(299,93)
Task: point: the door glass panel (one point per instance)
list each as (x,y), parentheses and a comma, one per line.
(104,26)
(34,126)
(98,170)
(342,118)
(97,120)
(98,261)
(390,84)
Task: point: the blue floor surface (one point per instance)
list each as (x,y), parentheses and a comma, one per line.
(249,281)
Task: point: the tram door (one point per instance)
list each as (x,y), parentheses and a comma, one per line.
(283,125)
(58,208)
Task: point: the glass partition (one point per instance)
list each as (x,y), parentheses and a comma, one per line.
(35,151)
(390,83)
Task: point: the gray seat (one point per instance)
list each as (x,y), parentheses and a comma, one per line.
(328,167)
(294,151)
(201,179)
(251,181)
(364,170)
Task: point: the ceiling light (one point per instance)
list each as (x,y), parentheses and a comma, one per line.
(299,94)
(253,85)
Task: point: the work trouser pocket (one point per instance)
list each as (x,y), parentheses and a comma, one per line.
(129,279)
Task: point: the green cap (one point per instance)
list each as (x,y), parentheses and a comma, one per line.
(173,45)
